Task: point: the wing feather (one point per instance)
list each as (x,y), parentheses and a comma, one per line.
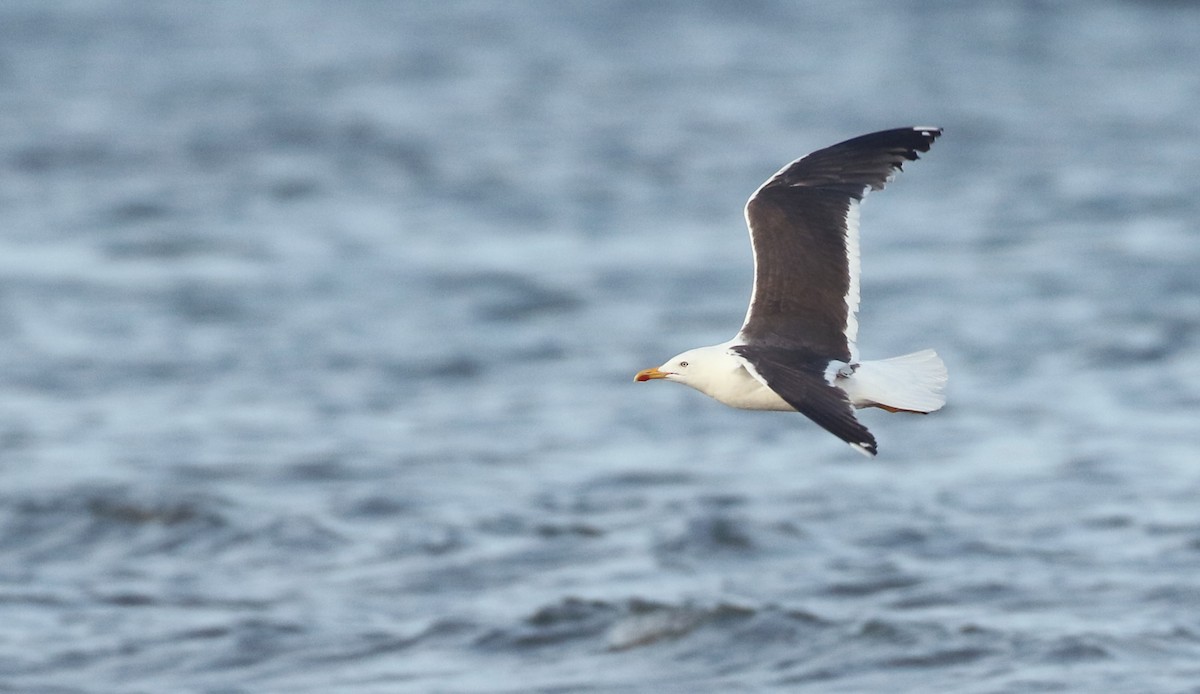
(798,377)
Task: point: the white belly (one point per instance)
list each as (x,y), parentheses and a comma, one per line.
(745,392)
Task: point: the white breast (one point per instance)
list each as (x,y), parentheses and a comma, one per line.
(738,388)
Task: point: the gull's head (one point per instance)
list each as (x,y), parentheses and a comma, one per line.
(694,367)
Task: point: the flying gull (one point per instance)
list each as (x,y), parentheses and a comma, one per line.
(796,350)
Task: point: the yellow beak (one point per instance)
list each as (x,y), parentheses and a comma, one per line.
(648,374)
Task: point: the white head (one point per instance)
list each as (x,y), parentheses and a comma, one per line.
(699,368)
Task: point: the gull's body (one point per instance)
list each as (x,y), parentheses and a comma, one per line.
(797,348)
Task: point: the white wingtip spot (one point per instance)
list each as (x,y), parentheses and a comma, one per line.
(862,448)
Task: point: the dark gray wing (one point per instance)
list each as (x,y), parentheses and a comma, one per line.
(804,231)
(798,376)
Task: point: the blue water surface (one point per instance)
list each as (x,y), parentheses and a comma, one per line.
(318,321)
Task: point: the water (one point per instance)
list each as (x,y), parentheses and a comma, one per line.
(318,320)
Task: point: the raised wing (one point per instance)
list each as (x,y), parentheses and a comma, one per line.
(804,231)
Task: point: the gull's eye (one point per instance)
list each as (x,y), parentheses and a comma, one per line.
(683,363)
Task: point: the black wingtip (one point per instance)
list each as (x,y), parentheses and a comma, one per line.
(927,134)
(854,166)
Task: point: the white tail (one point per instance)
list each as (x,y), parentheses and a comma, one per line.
(912,383)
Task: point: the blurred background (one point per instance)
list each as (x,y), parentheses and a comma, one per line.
(318,321)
